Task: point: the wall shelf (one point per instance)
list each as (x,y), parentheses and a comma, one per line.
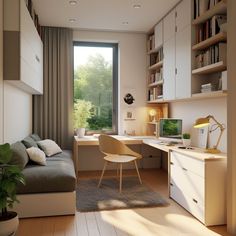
(155,50)
(213,94)
(155,84)
(219,8)
(222,36)
(213,68)
(156,66)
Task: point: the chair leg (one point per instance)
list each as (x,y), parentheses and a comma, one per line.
(136,166)
(104,167)
(120,177)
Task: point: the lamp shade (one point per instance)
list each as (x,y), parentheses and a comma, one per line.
(152,112)
(201,122)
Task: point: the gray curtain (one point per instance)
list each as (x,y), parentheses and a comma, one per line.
(53,111)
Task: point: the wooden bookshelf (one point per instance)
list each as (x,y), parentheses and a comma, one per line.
(160,100)
(156,84)
(152,123)
(155,50)
(156,66)
(213,94)
(220,37)
(213,68)
(219,8)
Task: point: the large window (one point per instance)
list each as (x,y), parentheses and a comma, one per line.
(96,86)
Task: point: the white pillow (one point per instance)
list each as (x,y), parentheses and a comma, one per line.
(37,155)
(49,147)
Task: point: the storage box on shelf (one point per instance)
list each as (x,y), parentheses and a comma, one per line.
(210,47)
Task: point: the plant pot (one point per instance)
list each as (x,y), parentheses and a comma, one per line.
(80,132)
(9,225)
(186,142)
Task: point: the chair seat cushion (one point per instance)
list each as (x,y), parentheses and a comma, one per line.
(119,158)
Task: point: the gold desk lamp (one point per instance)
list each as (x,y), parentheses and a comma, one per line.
(201,122)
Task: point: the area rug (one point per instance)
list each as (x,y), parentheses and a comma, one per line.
(134,195)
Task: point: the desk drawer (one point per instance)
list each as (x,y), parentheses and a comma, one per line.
(188,163)
(190,204)
(189,183)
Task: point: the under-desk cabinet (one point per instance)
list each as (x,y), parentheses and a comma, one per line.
(199,185)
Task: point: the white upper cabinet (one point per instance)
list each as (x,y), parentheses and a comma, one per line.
(169,26)
(183,63)
(158,31)
(23,49)
(183,15)
(169,69)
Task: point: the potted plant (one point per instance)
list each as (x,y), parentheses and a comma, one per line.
(186,139)
(82,112)
(10,176)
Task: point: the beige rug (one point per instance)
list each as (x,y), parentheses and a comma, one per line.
(91,198)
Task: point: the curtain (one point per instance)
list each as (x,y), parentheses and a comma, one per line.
(53,111)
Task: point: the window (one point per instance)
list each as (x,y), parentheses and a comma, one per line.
(96,86)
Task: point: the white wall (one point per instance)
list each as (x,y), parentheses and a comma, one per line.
(132,73)
(15,105)
(189,111)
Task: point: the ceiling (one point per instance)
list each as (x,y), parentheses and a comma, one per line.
(112,15)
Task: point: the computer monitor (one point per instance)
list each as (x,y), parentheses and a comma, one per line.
(170,130)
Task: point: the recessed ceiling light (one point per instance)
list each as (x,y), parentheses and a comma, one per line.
(72,20)
(73,2)
(136,6)
(125,23)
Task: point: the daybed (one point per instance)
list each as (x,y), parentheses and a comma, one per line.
(49,189)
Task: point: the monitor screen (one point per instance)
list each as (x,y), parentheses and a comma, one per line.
(170,128)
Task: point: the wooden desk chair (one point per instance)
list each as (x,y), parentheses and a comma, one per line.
(117,152)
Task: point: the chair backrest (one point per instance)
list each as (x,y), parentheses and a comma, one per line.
(110,145)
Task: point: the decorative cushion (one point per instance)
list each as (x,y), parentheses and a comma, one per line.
(37,155)
(35,137)
(19,155)
(29,142)
(49,147)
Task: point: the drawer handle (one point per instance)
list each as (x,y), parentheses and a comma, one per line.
(37,58)
(172,163)
(184,169)
(195,200)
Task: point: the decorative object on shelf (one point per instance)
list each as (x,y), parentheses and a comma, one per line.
(153,114)
(186,138)
(201,122)
(129,114)
(10,176)
(129,99)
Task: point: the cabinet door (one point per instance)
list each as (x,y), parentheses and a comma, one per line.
(159,35)
(183,15)
(169,26)
(169,69)
(183,63)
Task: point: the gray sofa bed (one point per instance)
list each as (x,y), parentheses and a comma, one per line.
(49,189)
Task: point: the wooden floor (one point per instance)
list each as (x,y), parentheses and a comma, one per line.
(163,221)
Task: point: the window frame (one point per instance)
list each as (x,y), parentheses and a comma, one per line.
(115,67)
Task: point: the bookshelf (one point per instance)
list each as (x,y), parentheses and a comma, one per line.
(155,65)
(209,49)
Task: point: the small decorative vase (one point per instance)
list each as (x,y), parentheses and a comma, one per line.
(80,132)
(186,142)
(9,226)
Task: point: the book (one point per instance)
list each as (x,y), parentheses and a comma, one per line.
(203,6)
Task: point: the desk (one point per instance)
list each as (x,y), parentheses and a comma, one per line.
(196,180)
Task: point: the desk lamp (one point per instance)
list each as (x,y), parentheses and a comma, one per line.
(153,113)
(201,122)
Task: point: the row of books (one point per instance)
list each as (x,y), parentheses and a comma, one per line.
(213,54)
(201,6)
(210,27)
(33,15)
(155,93)
(206,88)
(156,57)
(156,77)
(151,42)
